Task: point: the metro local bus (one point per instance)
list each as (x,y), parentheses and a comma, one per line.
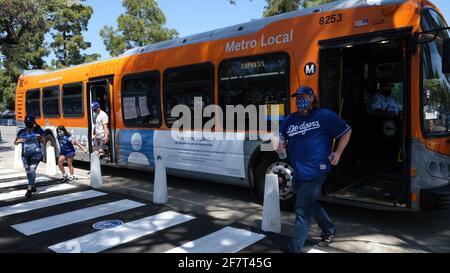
(344,50)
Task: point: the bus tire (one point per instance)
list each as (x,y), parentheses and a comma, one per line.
(50,141)
(271,164)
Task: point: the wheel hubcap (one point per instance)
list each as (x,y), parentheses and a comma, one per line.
(285,178)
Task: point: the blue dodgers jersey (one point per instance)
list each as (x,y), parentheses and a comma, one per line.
(309,141)
(32,145)
(65,144)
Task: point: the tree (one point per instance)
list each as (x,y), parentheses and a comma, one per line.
(275,7)
(141,24)
(23,24)
(70,19)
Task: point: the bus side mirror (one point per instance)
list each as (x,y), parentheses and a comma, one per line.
(446,57)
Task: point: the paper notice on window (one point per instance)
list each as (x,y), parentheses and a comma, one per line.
(129,108)
(143,106)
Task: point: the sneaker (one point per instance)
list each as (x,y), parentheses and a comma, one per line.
(65,178)
(72,179)
(28,194)
(327,239)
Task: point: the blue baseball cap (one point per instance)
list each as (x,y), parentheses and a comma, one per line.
(29,119)
(303,90)
(95,105)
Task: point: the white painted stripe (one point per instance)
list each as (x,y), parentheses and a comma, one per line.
(316,251)
(65,219)
(48,202)
(13,175)
(48,189)
(2,171)
(108,238)
(227,240)
(22,182)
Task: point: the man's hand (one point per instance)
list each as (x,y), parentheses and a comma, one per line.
(335,158)
(280,148)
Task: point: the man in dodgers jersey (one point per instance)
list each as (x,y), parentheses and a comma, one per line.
(309,134)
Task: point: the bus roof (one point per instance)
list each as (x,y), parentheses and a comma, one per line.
(235,30)
(256,25)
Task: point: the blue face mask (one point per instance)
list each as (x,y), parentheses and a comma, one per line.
(303,104)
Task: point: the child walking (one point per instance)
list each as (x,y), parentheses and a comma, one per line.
(67,152)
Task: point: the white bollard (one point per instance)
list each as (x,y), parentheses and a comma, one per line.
(96,171)
(271,210)
(51,161)
(18,164)
(160,183)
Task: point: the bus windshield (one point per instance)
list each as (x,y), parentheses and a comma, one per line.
(435,84)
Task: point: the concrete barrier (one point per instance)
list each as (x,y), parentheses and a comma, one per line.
(271,221)
(160,183)
(96,171)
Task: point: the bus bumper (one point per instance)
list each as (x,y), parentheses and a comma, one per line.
(438,198)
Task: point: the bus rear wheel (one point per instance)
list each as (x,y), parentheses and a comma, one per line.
(271,164)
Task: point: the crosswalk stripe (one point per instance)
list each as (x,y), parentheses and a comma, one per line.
(108,238)
(13,175)
(226,240)
(65,219)
(2,171)
(22,182)
(21,193)
(48,202)
(316,251)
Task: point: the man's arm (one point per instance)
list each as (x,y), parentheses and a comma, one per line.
(343,142)
(106,129)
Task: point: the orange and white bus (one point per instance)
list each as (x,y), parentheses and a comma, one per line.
(344,50)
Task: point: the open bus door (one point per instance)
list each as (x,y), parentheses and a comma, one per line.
(353,76)
(101,90)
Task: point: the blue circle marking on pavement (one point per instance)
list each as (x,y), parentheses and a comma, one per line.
(108,224)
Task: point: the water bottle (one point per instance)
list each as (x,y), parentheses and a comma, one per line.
(283,154)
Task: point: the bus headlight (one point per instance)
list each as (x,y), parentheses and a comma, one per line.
(438,169)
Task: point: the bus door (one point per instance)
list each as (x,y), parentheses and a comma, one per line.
(102,91)
(366,83)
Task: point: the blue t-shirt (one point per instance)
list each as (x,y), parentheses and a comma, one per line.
(65,145)
(309,141)
(32,145)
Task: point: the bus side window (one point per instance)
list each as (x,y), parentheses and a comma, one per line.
(141,101)
(72,100)
(50,103)
(257,80)
(33,103)
(183,84)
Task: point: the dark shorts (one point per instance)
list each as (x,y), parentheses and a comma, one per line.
(99,144)
(68,154)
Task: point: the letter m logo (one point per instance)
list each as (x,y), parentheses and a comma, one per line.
(310,69)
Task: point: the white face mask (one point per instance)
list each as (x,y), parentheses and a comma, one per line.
(61,133)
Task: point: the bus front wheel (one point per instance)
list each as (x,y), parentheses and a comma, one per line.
(270,164)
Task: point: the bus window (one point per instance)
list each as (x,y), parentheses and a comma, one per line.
(72,100)
(33,103)
(140,100)
(436,85)
(257,80)
(182,85)
(50,103)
